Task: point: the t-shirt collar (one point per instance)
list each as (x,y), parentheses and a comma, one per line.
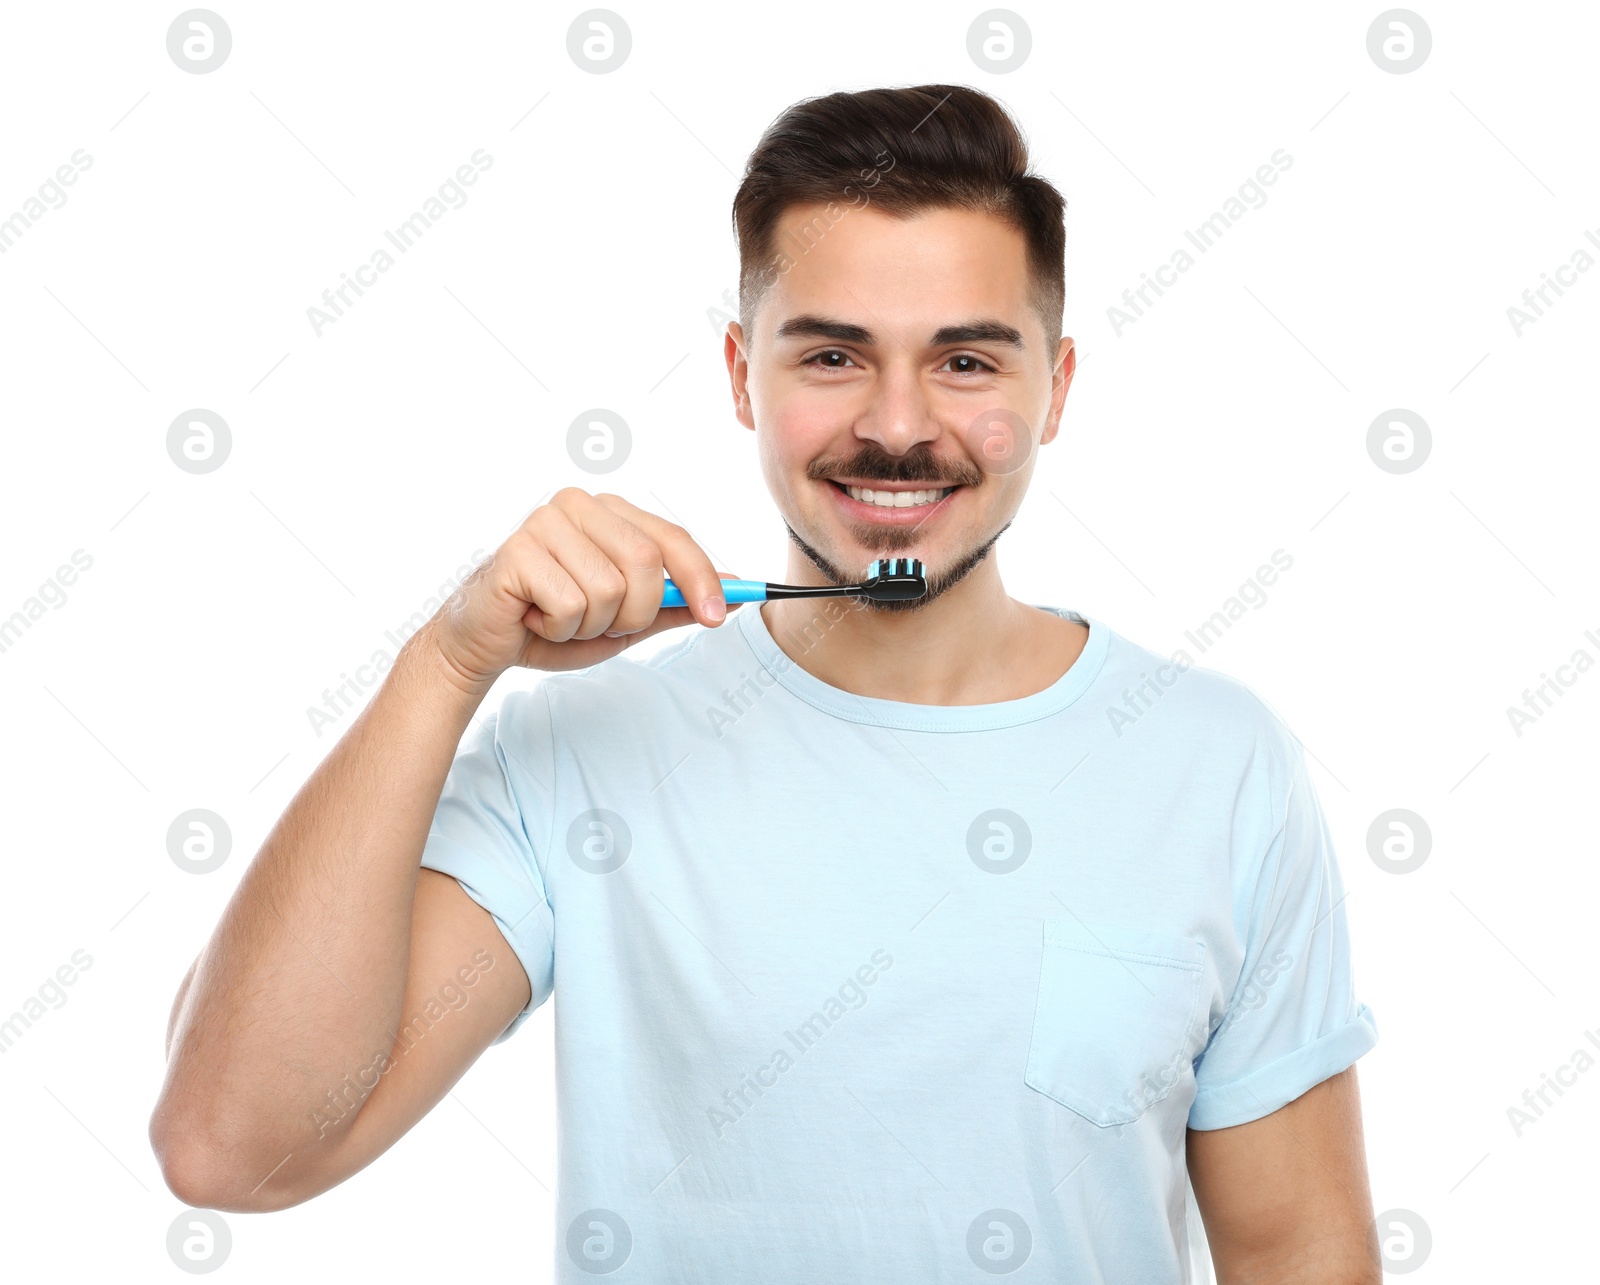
(909,716)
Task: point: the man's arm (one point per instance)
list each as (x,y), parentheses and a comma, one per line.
(293,1056)
(288,1067)
(1285,1198)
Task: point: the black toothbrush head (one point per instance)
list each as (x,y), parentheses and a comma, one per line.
(894,580)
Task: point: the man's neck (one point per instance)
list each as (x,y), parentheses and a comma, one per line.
(972,645)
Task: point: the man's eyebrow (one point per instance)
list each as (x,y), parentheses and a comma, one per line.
(979,332)
(810,326)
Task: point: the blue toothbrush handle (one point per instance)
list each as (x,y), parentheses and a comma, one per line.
(732,591)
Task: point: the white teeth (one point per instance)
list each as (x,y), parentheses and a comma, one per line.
(897,499)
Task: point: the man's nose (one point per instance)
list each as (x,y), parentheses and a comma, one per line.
(900,414)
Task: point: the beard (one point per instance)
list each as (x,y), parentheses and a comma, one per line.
(940,580)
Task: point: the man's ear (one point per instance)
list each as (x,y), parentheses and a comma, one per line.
(1060,381)
(738,373)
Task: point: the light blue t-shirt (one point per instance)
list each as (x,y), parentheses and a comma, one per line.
(852,989)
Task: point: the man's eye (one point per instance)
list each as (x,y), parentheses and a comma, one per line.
(834,359)
(817,359)
(977,364)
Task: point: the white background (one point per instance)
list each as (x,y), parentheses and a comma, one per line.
(368,463)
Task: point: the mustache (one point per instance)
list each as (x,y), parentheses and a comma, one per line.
(919,464)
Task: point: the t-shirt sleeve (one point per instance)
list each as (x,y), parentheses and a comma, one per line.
(492,821)
(1294,1019)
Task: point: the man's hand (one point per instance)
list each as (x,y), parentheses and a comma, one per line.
(575,584)
(1284,1198)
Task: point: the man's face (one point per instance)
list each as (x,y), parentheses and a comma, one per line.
(897,356)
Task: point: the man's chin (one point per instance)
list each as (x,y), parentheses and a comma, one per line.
(943,571)
(848,568)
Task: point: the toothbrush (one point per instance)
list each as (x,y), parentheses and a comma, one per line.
(887,580)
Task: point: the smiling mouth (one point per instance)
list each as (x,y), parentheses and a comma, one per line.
(897,498)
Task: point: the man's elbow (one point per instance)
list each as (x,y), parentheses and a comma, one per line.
(207,1176)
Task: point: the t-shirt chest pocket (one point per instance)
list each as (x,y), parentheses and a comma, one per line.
(1113,1017)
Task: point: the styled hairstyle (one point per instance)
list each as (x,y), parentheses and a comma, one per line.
(903,150)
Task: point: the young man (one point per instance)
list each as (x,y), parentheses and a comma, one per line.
(890,945)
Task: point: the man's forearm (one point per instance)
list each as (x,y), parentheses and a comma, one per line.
(302,981)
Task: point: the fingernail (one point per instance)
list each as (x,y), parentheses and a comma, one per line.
(713,608)
(613,633)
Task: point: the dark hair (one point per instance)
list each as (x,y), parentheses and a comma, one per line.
(903,150)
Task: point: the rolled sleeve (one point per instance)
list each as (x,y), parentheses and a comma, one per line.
(1294,1019)
(496,798)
